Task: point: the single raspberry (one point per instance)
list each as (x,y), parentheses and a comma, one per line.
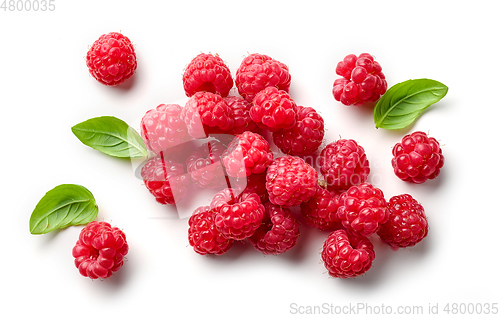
(346,256)
(417,158)
(321,210)
(241,115)
(258,71)
(407,224)
(305,136)
(362,209)
(207,73)
(343,163)
(237,215)
(278,232)
(207,113)
(162,128)
(165,179)
(257,183)
(248,153)
(99,250)
(111,59)
(273,109)
(290,181)
(363,80)
(204,236)
(205,166)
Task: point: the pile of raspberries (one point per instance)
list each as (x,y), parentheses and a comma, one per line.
(261,191)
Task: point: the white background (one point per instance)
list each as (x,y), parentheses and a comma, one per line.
(45,89)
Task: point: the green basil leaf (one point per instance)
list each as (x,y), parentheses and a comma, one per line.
(111,136)
(63,206)
(405,101)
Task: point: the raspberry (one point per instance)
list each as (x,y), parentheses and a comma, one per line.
(290,181)
(362,209)
(363,80)
(165,179)
(111,59)
(257,183)
(273,109)
(258,71)
(207,73)
(204,236)
(206,113)
(417,158)
(346,256)
(205,167)
(407,224)
(99,250)
(238,216)
(248,153)
(278,232)
(321,210)
(305,136)
(162,128)
(241,115)
(343,163)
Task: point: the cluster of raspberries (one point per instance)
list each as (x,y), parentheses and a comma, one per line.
(260,192)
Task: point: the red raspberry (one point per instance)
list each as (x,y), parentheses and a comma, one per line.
(278,232)
(248,153)
(241,115)
(290,181)
(343,163)
(165,179)
(362,209)
(162,128)
(207,73)
(205,167)
(111,59)
(255,182)
(363,80)
(238,216)
(204,236)
(99,250)
(321,210)
(207,113)
(346,256)
(305,137)
(407,224)
(258,71)
(273,109)
(417,158)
